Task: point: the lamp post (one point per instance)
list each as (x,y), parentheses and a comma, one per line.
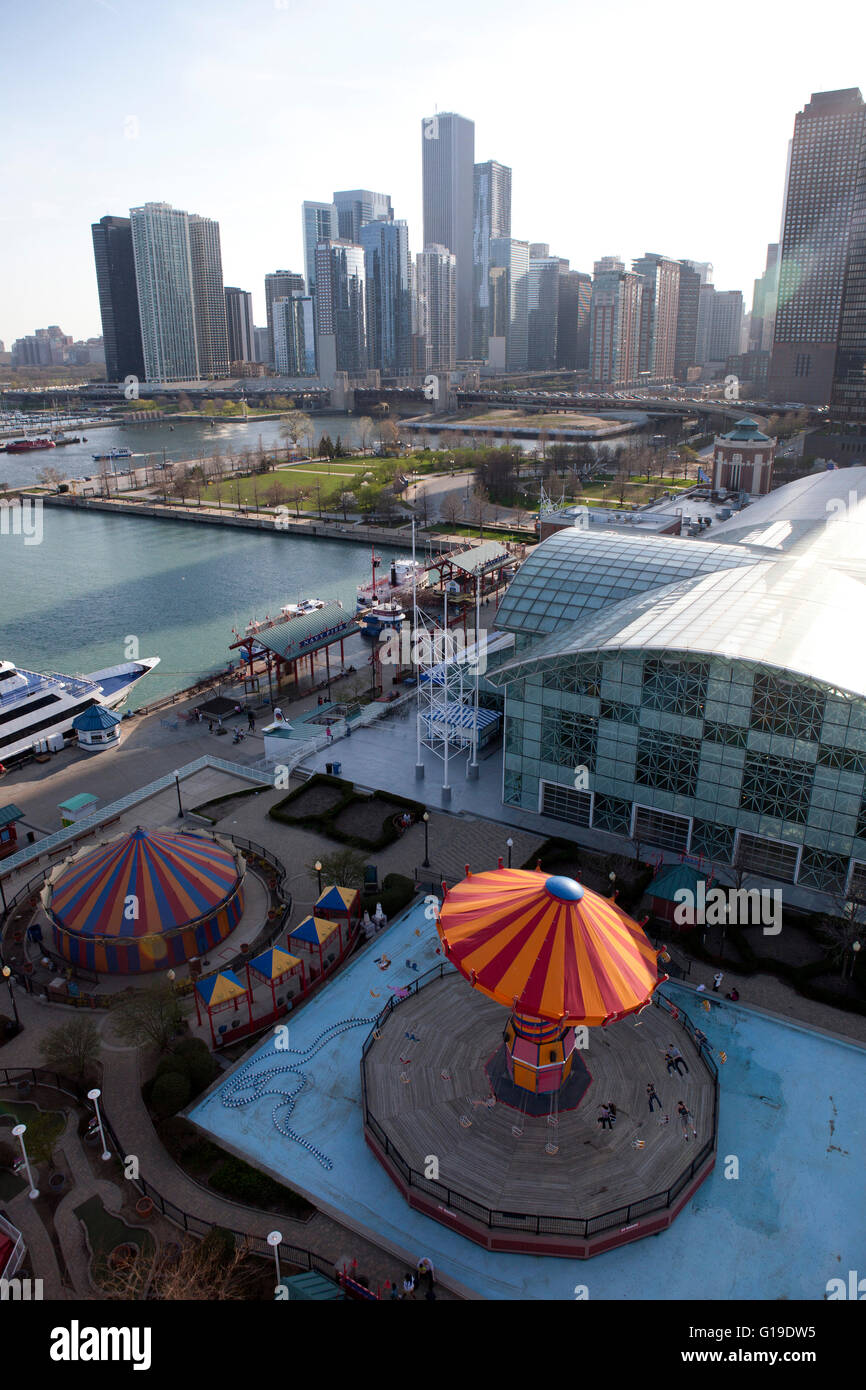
(7,976)
(179,802)
(318,868)
(510,844)
(94,1096)
(19,1131)
(426,819)
(274,1240)
(612,877)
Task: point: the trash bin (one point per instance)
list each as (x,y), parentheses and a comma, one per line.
(338,767)
(329,768)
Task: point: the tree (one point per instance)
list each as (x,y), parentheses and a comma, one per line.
(345,499)
(151,1015)
(294,426)
(326,447)
(210,1272)
(389,435)
(344,867)
(338,448)
(295,496)
(51,477)
(73,1048)
(365,429)
(276,494)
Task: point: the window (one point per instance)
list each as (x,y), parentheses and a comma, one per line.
(776,787)
(661,828)
(675,685)
(790,707)
(769,857)
(564,803)
(570,739)
(667,762)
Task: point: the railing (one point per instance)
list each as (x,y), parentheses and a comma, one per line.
(295,1255)
(516,1221)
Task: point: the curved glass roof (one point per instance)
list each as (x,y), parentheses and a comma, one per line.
(574,574)
(795,615)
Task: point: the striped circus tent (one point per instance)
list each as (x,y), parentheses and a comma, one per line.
(145,901)
(547,947)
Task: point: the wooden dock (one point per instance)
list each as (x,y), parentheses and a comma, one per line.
(423,1088)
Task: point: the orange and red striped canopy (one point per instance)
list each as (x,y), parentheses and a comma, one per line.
(547,946)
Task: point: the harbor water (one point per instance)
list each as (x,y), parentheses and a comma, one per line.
(98,583)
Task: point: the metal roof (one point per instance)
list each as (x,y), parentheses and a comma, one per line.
(308,632)
(10,813)
(487,555)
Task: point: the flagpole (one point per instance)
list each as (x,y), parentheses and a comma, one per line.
(416,665)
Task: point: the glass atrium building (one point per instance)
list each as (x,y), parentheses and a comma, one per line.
(700,697)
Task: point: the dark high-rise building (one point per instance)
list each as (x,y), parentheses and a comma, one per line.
(209,295)
(572,329)
(239,325)
(491,217)
(823,210)
(686,352)
(279,284)
(320,223)
(848,400)
(358,206)
(543,309)
(448,164)
(389,307)
(340,308)
(118,297)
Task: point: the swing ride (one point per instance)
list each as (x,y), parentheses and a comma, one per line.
(517,1045)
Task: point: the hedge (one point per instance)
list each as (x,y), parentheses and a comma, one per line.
(236,1179)
(397,892)
(324,821)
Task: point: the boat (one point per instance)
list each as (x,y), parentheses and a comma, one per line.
(66,439)
(26,446)
(396,583)
(112,454)
(379,616)
(37,710)
(287,613)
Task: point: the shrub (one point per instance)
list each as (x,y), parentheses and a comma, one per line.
(218,1242)
(238,1180)
(396,892)
(170,1093)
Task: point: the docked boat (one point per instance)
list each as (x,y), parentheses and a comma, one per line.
(111,455)
(379,616)
(62,439)
(36,711)
(397,582)
(27,446)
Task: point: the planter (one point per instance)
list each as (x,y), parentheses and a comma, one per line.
(122,1256)
(144,1208)
(57,1182)
(24,1088)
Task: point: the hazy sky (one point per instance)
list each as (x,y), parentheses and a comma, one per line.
(629,126)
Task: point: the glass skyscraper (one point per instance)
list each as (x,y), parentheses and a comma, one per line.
(389,309)
(358,206)
(448,163)
(239,325)
(164,280)
(279,284)
(341,305)
(118,297)
(209,297)
(491,217)
(320,223)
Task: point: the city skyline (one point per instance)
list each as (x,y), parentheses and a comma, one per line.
(98,170)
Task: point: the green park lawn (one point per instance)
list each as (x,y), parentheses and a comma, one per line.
(314,479)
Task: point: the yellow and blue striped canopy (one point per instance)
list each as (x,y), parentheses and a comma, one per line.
(337,899)
(273,964)
(216,989)
(315,930)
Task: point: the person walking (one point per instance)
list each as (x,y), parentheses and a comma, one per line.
(717,981)
(670,1063)
(678,1059)
(251,720)
(652,1097)
(604,1118)
(409,1285)
(700,1037)
(686,1120)
(611,1110)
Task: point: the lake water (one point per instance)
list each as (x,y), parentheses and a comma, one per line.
(70,603)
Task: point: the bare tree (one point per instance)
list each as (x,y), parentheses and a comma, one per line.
(451,508)
(365,429)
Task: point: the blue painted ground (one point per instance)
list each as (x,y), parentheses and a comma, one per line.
(791,1113)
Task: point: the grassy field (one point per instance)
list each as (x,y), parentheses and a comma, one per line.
(560,419)
(314,479)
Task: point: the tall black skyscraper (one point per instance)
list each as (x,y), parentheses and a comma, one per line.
(448,163)
(118,298)
(822,228)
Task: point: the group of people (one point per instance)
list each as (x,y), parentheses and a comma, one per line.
(733,993)
(607,1117)
(676,1066)
(423,1279)
(217,723)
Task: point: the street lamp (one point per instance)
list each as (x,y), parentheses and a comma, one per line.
(19,1131)
(426,819)
(7,976)
(94,1096)
(510,844)
(274,1240)
(179,802)
(318,868)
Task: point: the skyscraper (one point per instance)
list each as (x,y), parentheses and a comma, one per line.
(280,284)
(543,310)
(720,324)
(660,297)
(823,220)
(209,297)
(513,256)
(340,307)
(239,325)
(436,298)
(118,297)
(615,322)
(358,206)
(294,335)
(573,318)
(164,281)
(448,161)
(320,223)
(491,217)
(763,324)
(686,350)
(389,310)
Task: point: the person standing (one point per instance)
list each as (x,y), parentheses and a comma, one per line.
(251,720)
(652,1097)
(670,1064)
(604,1118)
(409,1285)
(686,1120)
(717,981)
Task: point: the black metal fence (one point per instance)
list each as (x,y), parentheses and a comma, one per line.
(534,1224)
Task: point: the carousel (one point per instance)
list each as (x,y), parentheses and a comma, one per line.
(524,1069)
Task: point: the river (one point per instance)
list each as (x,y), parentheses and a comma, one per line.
(72,602)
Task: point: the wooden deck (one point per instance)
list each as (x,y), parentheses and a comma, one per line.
(593,1170)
